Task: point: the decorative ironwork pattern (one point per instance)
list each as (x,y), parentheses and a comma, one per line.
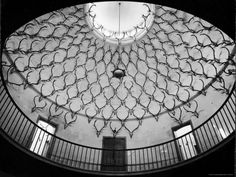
(71,71)
(128,36)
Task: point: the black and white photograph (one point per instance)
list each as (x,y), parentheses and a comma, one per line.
(117,88)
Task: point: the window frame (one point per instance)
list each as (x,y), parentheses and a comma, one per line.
(177,127)
(52,141)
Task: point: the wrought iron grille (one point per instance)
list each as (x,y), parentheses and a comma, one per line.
(71,70)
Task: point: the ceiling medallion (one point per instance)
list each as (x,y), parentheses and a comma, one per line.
(120,21)
(118,73)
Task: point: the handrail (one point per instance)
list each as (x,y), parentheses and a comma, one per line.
(207,135)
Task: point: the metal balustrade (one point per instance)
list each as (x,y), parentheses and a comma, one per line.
(19,129)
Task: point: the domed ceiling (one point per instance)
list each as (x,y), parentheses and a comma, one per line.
(70,64)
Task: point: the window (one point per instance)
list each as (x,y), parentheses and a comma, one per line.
(41,138)
(187,145)
(114,154)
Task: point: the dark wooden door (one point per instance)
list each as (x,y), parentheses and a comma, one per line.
(114,154)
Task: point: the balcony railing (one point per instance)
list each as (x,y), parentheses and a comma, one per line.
(19,129)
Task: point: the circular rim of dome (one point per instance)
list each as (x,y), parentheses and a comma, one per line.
(125,37)
(155,116)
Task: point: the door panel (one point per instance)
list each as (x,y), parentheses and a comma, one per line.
(114,158)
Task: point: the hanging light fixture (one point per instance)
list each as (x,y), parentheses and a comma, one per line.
(117,72)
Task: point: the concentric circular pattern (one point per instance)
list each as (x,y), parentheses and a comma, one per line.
(71,71)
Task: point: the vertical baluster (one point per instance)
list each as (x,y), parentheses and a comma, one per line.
(135,159)
(59,142)
(140,161)
(218,118)
(173,154)
(222,118)
(203,138)
(183,147)
(227,118)
(131,160)
(81,159)
(89,163)
(148,163)
(2,93)
(233,104)
(85,161)
(200,142)
(99,154)
(160,155)
(96,159)
(164,153)
(169,157)
(221,125)
(212,137)
(214,130)
(77,155)
(217,127)
(6,117)
(187,143)
(14,121)
(93,162)
(51,146)
(192,144)
(4,96)
(43,134)
(19,127)
(73,161)
(10,120)
(22,131)
(69,158)
(156,157)
(231,116)
(5,103)
(64,156)
(1,89)
(60,154)
(38,138)
(126,163)
(27,134)
(208,139)
(3,110)
(47,142)
(144,161)
(152,158)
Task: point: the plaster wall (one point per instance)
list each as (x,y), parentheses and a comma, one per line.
(81,129)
